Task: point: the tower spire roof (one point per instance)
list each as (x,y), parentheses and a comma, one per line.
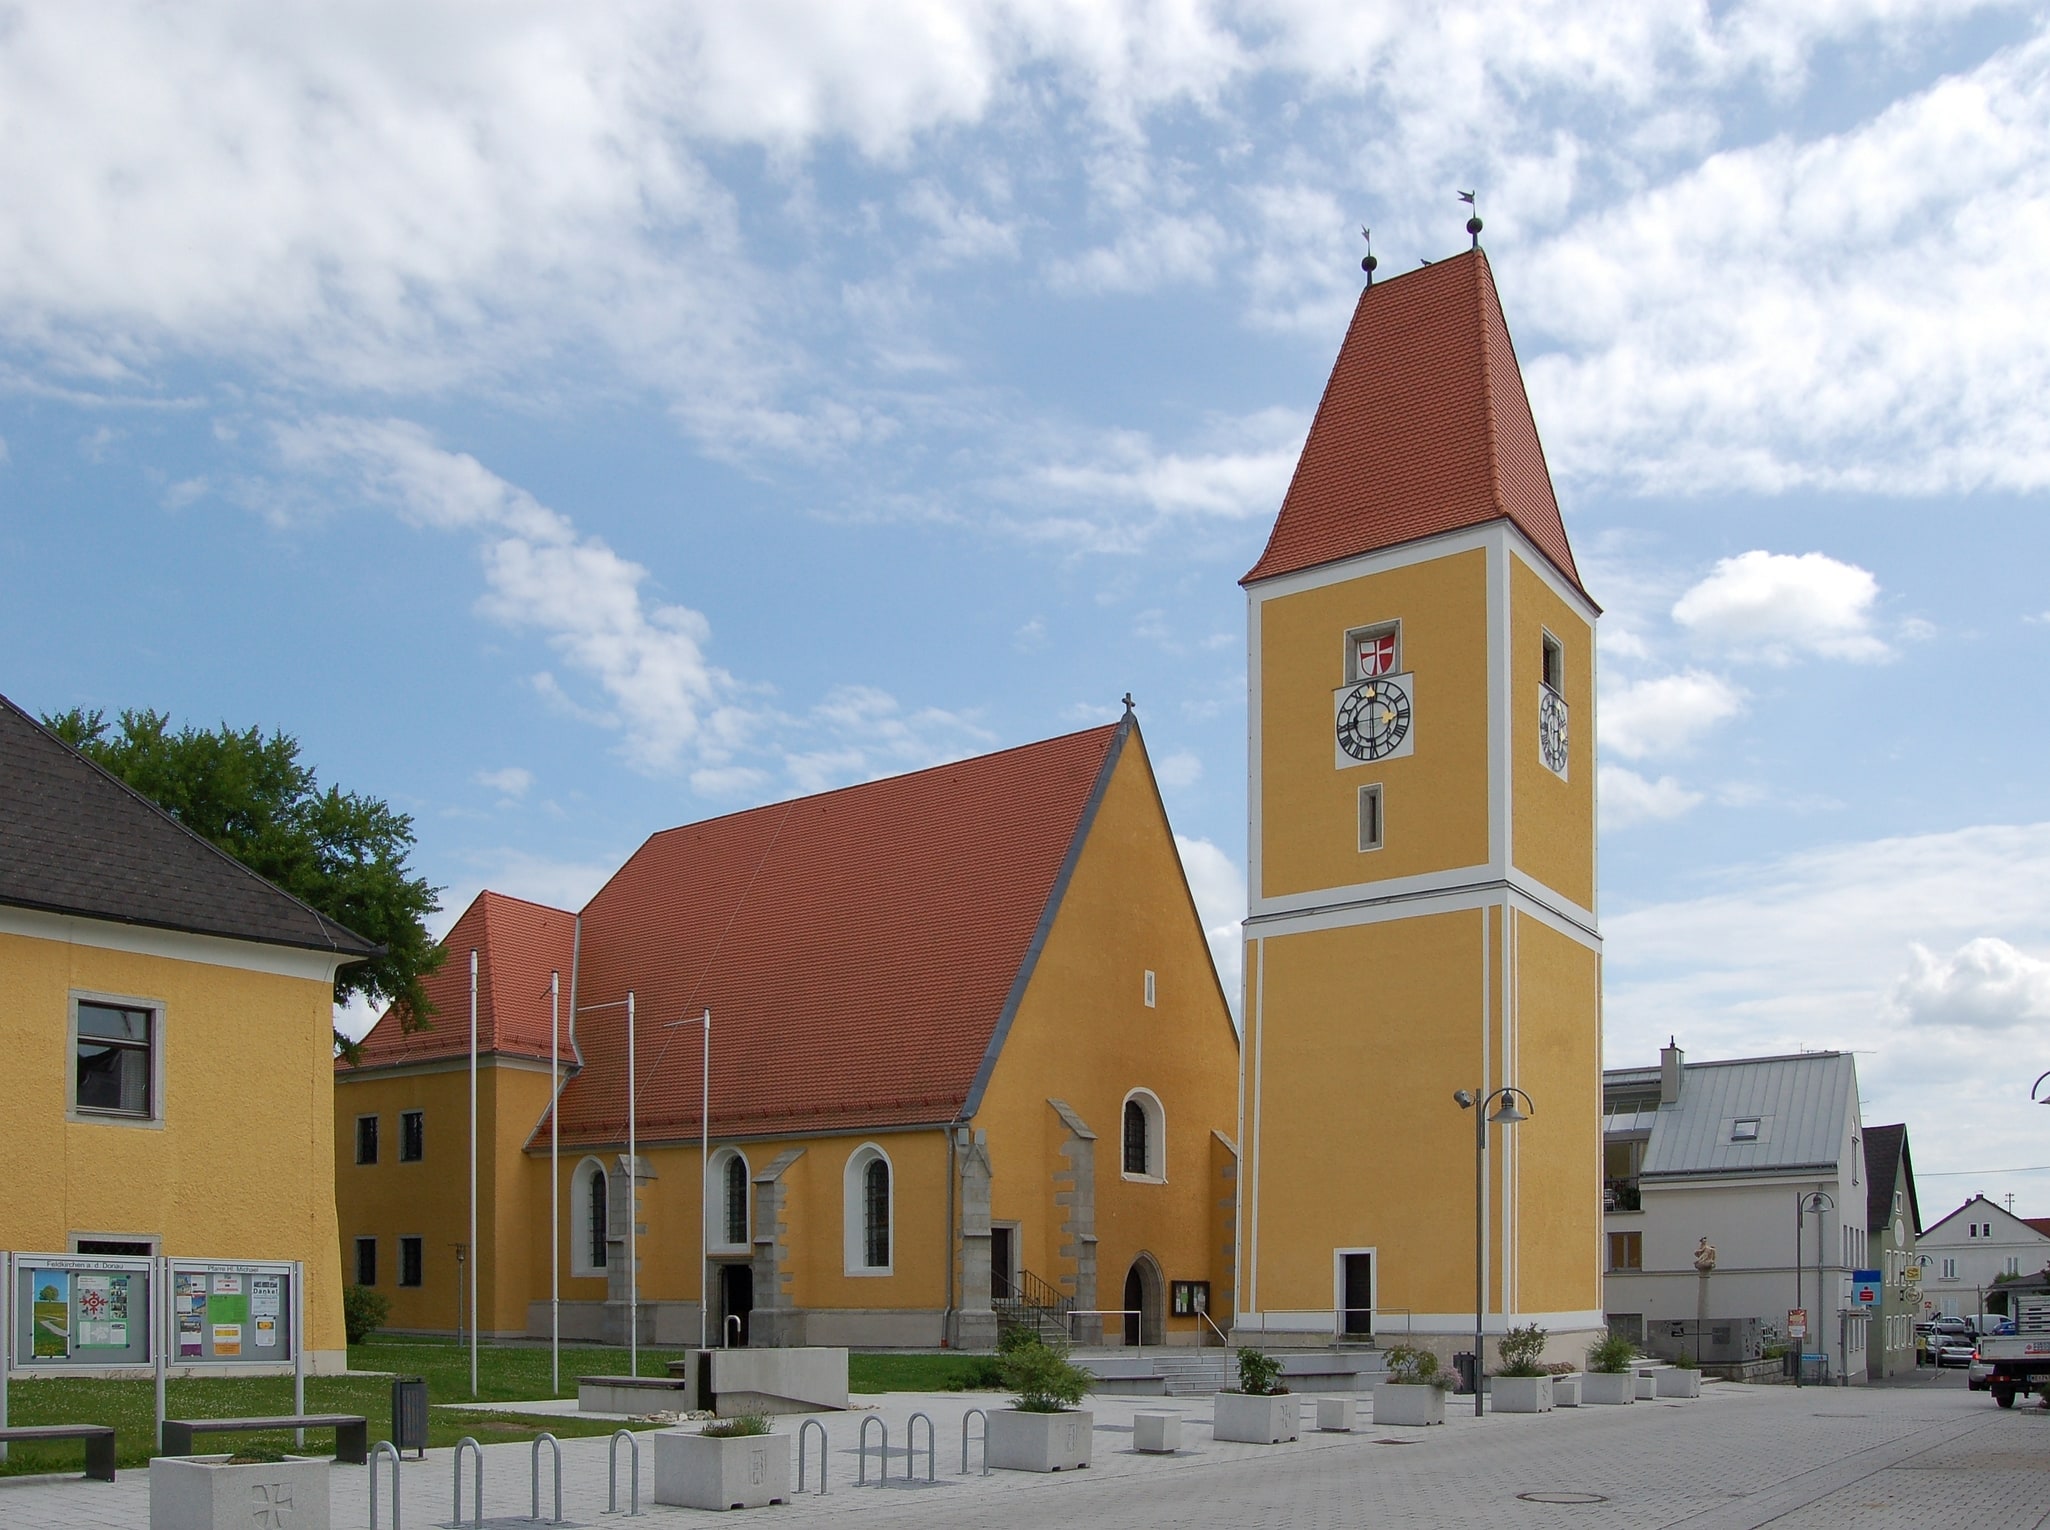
(1424,428)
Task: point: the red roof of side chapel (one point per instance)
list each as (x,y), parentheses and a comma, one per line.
(1424,428)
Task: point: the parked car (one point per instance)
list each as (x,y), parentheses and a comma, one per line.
(1947,1327)
(1955,1351)
(1979,1376)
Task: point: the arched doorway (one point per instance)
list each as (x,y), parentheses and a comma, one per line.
(1145,1302)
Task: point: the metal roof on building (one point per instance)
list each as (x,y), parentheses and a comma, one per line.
(1803,1106)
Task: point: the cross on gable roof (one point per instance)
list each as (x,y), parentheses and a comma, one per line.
(1424,428)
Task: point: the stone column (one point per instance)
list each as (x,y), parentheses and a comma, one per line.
(1075,1193)
(974,1325)
(776,1322)
(623,1181)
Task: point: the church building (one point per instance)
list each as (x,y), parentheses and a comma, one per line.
(968,1058)
(1421,862)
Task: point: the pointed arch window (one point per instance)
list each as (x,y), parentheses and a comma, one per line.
(589,1218)
(736,1200)
(870,1211)
(1143,1138)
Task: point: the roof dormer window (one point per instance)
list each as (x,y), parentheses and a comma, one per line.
(1744,1129)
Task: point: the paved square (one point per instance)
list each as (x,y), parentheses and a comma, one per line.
(1912,1456)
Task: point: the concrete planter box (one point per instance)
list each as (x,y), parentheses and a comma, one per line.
(1523,1394)
(1157,1434)
(1566,1390)
(1408,1404)
(1678,1383)
(1038,1442)
(709,1472)
(1648,1381)
(205,1493)
(1600,1388)
(1335,1415)
(1257,1420)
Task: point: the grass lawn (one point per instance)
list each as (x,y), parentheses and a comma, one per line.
(504,1374)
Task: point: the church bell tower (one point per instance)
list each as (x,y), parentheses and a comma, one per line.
(1421,864)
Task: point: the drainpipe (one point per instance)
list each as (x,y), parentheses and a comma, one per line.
(953,1244)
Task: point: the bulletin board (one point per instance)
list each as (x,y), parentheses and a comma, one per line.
(230,1313)
(81,1312)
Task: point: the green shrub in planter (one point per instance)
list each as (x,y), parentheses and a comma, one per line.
(1521,1348)
(1611,1354)
(363,1312)
(1409,1366)
(738,1427)
(1259,1375)
(1043,1378)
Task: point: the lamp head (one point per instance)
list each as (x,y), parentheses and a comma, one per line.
(1505,1112)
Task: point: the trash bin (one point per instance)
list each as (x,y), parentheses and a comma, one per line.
(1463,1364)
(409,1413)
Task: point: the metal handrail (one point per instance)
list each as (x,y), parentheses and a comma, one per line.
(633,1445)
(861,1468)
(811,1423)
(555,1445)
(728,1329)
(1117,1312)
(477,1480)
(1222,1337)
(383,1447)
(932,1448)
(975,1413)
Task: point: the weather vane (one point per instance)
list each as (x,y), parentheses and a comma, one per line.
(1473,224)
(1367,265)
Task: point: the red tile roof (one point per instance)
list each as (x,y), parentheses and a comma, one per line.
(2040,1224)
(1424,428)
(517,943)
(858,949)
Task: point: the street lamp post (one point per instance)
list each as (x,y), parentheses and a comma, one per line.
(2036,1091)
(1815,1202)
(1505,1113)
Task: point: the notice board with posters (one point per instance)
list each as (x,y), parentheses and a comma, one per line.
(82,1312)
(231,1313)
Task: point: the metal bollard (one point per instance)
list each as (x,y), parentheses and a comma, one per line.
(555,1445)
(975,1413)
(612,1472)
(477,1478)
(384,1447)
(861,1472)
(911,1446)
(808,1424)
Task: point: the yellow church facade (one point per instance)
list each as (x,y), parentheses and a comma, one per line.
(969,1061)
(1421,857)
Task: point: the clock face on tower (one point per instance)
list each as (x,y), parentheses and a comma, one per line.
(1372,720)
(1552,730)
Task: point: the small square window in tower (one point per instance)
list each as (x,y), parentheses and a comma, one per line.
(1553,745)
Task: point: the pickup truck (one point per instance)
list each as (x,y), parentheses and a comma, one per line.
(2019,1363)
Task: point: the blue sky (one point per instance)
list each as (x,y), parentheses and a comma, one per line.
(572,421)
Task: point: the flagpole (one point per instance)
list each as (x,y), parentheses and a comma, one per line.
(555,1184)
(633,1195)
(705,1192)
(475,1252)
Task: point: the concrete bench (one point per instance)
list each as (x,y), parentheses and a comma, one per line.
(352,1431)
(633,1394)
(99,1443)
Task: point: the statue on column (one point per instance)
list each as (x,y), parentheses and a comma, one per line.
(1704,1256)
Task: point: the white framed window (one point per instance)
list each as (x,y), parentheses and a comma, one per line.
(1370,818)
(730,1178)
(1554,671)
(1857,1152)
(1152,988)
(1949,1269)
(868,1211)
(1374,650)
(1142,1138)
(117,1060)
(589,1217)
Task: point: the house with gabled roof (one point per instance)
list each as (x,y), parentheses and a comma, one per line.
(166,1033)
(1975,1245)
(1730,1151)
(967,1054)
(1893,1220)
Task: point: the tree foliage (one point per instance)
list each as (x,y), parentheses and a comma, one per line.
(339,853)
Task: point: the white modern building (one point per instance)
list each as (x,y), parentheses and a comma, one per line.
(1969,1248)
(1733,1152)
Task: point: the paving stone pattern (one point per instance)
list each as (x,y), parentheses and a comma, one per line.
(1740,1457)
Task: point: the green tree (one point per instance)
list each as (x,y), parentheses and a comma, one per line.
(339,853)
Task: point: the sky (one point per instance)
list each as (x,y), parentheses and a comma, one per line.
(571,421)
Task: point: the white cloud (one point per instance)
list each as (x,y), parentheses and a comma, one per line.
(1218,885)
(1182,768)
(1775,606)
(1643,718)
(1628,798)
(1985,985)
(512,783)
(1854,311)
(1162,250)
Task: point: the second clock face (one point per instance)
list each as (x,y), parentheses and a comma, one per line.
(1551,730)
(1373,720)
